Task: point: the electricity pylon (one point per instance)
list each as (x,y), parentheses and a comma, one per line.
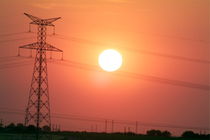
(38,107)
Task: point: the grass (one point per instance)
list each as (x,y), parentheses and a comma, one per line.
(9,136)
(88,136)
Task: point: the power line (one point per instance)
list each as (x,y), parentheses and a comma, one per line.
(13,59)
(99,120)
(80,40)
(155,35)
(4,58)
(166,36)
(10,40)
(138,50)
(11,34)
(171,56)
(137,76)
(157,79)
(174,37)
(15,65)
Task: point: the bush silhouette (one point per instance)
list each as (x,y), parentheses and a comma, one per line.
(154,133)
(189,134)
(31,128)
(19,128)
(46,128)
(10,127)
(158,133)
(166,134)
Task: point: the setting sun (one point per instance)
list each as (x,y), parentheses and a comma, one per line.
(104,69)
(110,60)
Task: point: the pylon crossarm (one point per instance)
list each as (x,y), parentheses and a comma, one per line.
(35,46)
(35,23)
(50,24)
(50,20)
(52,48)
(33,18)
(30,46)
(39,21)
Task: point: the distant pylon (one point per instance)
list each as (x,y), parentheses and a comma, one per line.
(38,107)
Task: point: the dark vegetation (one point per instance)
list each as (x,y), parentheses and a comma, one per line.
(20,128)
(158,133)
(16,129)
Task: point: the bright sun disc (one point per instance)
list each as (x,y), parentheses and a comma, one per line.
(110,60)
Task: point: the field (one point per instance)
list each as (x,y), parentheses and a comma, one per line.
(90,136)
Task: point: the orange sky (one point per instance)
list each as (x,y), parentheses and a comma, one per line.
(171,27)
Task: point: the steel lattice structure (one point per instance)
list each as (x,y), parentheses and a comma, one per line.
(38,107)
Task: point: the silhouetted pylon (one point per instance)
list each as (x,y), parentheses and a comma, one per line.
(38,107)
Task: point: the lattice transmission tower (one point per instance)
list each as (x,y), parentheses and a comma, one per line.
(38,107)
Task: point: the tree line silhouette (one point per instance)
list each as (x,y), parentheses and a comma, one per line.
(21,128)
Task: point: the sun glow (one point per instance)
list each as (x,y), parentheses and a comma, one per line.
(110,60)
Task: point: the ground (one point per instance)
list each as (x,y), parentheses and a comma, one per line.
(89,136)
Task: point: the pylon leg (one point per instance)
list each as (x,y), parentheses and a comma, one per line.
(38,108)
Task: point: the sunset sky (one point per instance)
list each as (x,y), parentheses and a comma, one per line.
(141,30)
